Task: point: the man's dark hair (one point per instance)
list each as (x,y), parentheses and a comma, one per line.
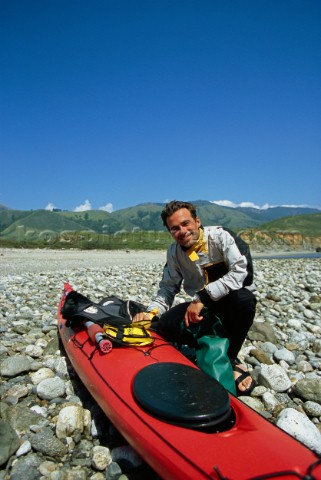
(175,205)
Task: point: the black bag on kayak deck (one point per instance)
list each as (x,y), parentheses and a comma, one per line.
(113,310)
(112,313)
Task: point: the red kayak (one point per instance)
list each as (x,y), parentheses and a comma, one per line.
(182,422)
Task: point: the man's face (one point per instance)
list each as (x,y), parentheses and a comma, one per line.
(183,227)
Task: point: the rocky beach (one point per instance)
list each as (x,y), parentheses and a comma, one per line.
(51,428)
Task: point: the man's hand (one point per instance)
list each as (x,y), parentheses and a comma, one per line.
(192,314)
(142,316)
(145,316)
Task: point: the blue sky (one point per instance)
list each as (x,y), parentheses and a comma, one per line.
(112,103)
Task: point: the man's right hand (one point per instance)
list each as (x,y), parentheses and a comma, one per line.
(145,316)
(141,316)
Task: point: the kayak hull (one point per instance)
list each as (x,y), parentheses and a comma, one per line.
(248,447)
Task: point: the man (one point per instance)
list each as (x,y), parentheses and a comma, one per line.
(215,268)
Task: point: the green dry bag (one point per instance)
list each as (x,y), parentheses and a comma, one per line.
(211,350)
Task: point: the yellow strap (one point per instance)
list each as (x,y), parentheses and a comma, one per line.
(199,246)
(193,256)
(152,313)
(134,335)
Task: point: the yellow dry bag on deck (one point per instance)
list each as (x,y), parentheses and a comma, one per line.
(134,335)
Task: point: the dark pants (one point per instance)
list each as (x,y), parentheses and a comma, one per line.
(236,312)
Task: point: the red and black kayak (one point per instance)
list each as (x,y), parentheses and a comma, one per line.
(182,422)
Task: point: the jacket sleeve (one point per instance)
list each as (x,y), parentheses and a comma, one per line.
(169,285)
(235,262)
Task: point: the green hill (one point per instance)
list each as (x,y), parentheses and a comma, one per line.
(309,224)
(8,217)
(232,218)
(100,229)
(38,223)
(92,219)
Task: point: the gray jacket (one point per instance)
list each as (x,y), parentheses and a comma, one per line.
(228,269)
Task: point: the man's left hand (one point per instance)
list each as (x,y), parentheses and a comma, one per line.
(192,314)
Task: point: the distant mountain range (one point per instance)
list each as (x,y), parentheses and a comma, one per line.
(146,217)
